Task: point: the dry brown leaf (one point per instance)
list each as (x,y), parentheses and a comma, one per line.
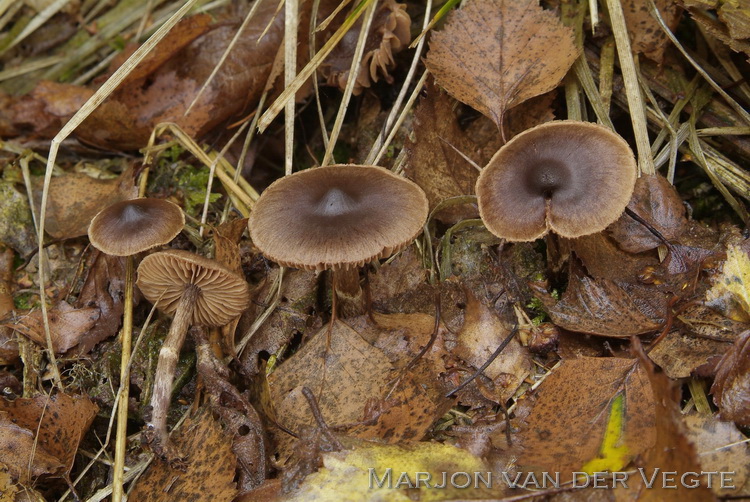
(603,259)
(126,119)
(480,336)
(672,451)
(567,425)
(598,307)
(496,54)
(18,452)
(680,355)
(435,160)
(646,36)
(736,15)
(67,325)
(42,112)
(75,198)
(227,252)
(343,377)
(721,447)
(398,276)
(656,201)
(103,289)
(209,468)
(57,422)
(731,388)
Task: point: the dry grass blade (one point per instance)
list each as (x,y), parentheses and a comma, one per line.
(99,96)
(291,21)
(730,101)
(356,62)
(307,71)
(41,18)
(632,88)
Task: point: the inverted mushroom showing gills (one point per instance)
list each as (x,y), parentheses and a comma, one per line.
(571,178)
(195,290)
(337,217)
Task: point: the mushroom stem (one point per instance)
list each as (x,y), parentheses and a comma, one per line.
(158,436)
(348,292)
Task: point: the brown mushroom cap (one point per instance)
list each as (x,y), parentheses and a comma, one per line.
(573,178)
(163,276)
(131,226)
(337,217)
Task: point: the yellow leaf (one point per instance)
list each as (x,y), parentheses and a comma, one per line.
(390,472)
(730,293)
(614,453)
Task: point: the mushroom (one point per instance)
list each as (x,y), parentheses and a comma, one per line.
(571,178)
(337,217)
(127,228)
(130,227)
(196,290)
(389,34)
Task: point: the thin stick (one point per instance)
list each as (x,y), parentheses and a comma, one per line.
(488,362)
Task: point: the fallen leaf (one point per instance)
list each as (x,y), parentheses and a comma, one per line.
(343,373)
(523,51)
(398,276)
(208,471)
(19,453)
(126,119)
(75,198)
(679,355)
(672,450)
(731,291)
(646,35)
(566,428)
(435,163)
(478,339)
(731,388)
(58,422)
(598,307)
(736,15)
(603,259)
(103,289)
(371,472)
(227,252)
(721,447)
(42,112)
(67,325)
(656,201)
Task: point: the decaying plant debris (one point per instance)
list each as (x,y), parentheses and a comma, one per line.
(535,356)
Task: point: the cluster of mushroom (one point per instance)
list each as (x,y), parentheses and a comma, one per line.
(568,177)
(194,289)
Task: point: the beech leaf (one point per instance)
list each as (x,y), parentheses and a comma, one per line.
(496,54)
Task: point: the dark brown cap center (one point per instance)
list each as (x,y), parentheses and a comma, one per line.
(547,176)
(336,202)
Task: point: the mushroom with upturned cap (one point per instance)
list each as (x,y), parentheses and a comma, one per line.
(337,217)
(195,290)
(572,178)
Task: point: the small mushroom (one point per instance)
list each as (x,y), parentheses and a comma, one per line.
(195,290)
(132,226)
(127,228)
(390,33)
(571,178)
(339,218)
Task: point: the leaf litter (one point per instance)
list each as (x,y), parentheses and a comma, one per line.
(295,403)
